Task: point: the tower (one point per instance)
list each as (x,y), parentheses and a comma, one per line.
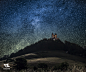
(52,35)
(55,36)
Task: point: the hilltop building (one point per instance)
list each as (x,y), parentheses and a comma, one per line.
(54,37)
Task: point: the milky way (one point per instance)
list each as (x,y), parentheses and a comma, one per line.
(24,22)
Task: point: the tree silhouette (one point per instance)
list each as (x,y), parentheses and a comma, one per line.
(20,63)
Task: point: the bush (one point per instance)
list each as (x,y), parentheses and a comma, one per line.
(55,68)
(9,60)
(35,68)
(20,63)
(4,62)
(63,66)
(42,65)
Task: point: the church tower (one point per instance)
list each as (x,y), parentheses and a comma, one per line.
(55,36)
(52,35)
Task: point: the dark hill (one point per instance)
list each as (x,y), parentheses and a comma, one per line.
(51,45)
(43,45)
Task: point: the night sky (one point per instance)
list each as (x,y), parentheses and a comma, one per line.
(24,22)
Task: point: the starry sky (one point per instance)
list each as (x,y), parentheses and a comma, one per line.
(24,22)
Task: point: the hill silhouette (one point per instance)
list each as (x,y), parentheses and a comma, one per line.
(42,45)
(52,45)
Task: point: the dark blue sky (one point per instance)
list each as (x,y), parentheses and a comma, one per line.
(24,22)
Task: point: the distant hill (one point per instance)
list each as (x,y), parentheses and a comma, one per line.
(52,45)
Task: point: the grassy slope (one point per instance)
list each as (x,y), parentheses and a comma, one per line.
(57,57)
(51,57)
